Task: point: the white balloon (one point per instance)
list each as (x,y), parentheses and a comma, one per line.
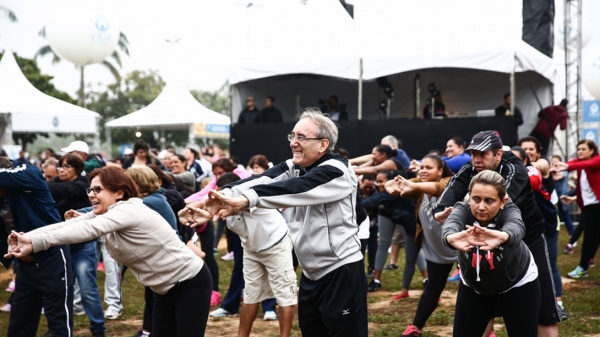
(82,32)
(591,70)
(559,33)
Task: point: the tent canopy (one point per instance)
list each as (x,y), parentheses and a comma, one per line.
(468,48)
(174,108)
(33,111)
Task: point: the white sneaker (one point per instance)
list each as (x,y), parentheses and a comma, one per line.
(227,257)
(220,313)
(270,316)
(6,307)
(112,314)
(79,312)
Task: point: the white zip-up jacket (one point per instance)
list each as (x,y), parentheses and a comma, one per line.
(323,219)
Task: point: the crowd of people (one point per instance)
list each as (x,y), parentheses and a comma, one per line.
(489,209)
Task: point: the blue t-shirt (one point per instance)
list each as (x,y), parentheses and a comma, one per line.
(456,162)
(403,158)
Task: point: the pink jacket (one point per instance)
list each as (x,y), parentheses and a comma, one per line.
(199,196)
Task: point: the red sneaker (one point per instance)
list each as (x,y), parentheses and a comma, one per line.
(412,332)
(101,266)
(215,298)
(399,297)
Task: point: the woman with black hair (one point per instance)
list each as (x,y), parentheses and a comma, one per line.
(141,156)
(424,190)
(456,156)
(383,159)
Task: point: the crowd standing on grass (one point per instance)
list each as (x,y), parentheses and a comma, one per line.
(490,208)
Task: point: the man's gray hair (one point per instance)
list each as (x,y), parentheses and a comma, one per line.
(326,128)
(391,140)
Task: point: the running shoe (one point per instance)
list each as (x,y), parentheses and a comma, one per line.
(399,296)
(227,257)
(220,313)
(112,314)
(578,273)
(215,298)
(78,312)
(101,266)
(455,276)
(411,332)
(11,287)
(6,307)
(592,264)
(568,249)
(492,334)
(373,286)
(270,316)
(390,266)
(563,313)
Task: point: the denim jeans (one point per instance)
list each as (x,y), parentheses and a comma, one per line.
(552,244)
(112,282)
(84,262)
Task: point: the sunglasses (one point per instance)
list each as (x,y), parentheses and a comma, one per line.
(95,189)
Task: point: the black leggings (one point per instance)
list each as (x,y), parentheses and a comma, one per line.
(438,275)
(519,307)
(148,308)
(183,311)
(207,238)
(591,234)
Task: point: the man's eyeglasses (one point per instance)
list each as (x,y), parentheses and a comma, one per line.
(95,189)
(64,167)
(299,138)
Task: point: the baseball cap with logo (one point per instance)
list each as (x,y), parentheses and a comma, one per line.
(484,141)
(78,145)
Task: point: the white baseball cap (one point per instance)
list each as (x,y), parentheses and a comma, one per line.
(78,145)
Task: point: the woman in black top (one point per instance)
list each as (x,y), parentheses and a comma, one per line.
(498,272)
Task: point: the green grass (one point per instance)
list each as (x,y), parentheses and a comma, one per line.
(581,299)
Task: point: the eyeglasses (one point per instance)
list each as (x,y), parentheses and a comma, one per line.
(95,189)
(299,138)
(64,167)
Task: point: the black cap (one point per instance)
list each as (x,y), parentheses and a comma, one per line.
(484,141)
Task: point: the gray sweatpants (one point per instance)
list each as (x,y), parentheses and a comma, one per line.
(413,252)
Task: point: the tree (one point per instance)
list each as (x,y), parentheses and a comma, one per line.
(123,45)
(43,83)
(8,13)
(214,100)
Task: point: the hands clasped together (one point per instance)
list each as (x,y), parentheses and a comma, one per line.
(19,246)
(399,186)
(216,206)
(477,236)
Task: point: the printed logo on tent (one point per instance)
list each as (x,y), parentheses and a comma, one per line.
(591,111)
(55,122)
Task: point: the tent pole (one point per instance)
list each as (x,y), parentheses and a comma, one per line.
(108,142)
(97,135)
(191,135)
(513,99)
(162,139)
(360,89)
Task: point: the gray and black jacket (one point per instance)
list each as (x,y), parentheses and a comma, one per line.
(491,272)
(322,197)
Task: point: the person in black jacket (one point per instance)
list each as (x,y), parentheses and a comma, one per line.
(497,269)
(69,192)
(270,114)
(487,154)
(504,110)
(251,113)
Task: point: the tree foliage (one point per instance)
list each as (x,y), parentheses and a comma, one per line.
(44,84)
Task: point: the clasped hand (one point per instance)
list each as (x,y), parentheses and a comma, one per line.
(477,236)
(19,245)
(221,206)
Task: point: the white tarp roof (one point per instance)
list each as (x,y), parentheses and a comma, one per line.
(175,107)
(291,38)
(33,111)
(400,36)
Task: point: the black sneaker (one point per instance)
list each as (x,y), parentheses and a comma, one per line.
(97,333)
(373,286)
(390,266)
(563,313)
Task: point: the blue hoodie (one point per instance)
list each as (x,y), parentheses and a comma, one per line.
(30,201)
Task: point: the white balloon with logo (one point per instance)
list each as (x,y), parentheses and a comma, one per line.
(83,32)
(591,70)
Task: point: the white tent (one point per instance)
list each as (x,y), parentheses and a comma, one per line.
(315,40)
(468,48)
(175,108)
(26,109)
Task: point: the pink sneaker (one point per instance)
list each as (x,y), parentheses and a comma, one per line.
(101,266)
(11,287)
(215,298)
(492,334)
(6,308)
(227,257)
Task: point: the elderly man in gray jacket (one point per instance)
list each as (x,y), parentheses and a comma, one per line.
(320,187)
